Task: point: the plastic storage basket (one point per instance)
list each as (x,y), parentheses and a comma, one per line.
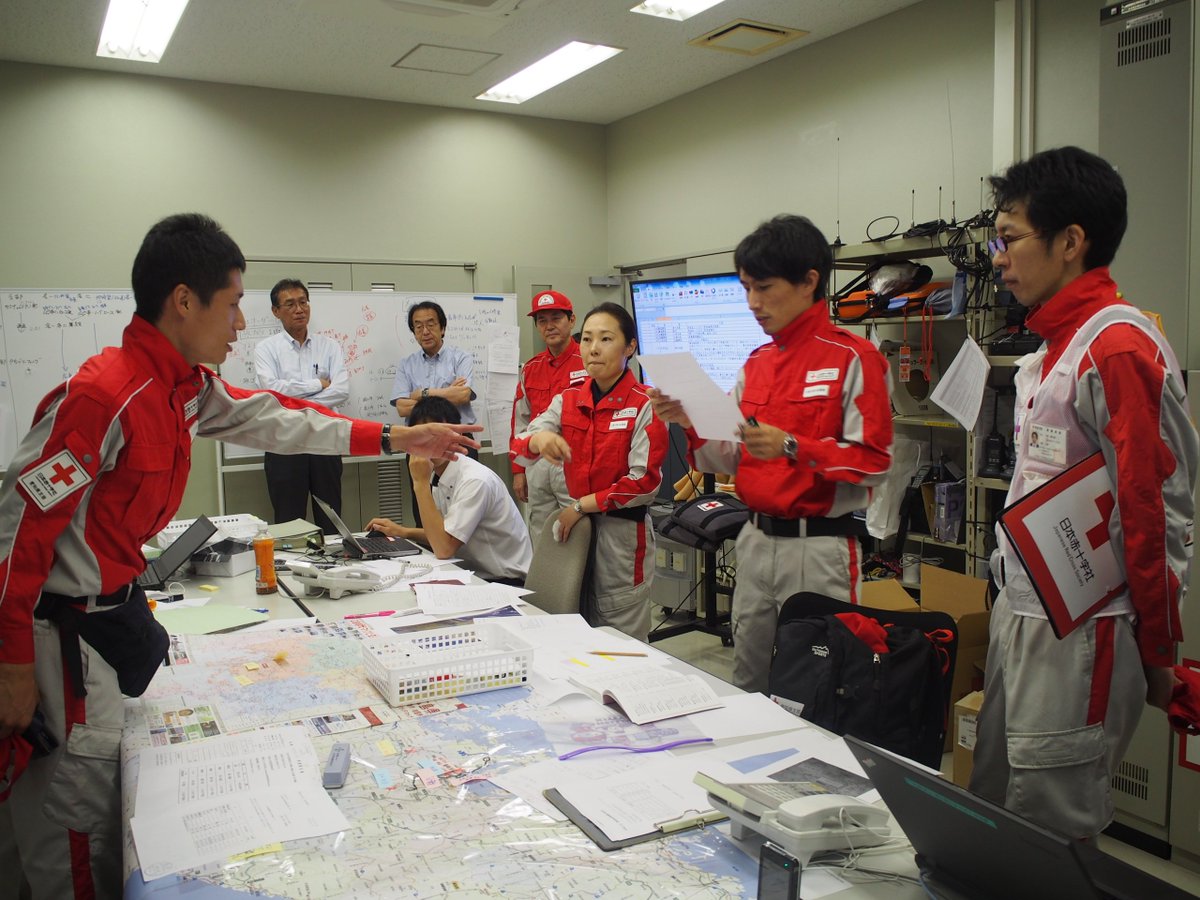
(447,662)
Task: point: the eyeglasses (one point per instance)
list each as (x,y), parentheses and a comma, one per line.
(291,305)
(424,326)
(1001,244)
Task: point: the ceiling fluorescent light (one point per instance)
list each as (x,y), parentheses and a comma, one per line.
(674,9)
(565,62)
(139,29)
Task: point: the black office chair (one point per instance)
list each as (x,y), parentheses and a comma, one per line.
(899,700)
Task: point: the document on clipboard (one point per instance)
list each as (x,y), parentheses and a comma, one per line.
(690,819)
(652,800)
(1060,532)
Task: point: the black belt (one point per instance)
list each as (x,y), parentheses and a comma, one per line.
(630,513)
(116,598)
(814,526)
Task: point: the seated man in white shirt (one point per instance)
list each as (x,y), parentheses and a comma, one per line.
(466,510)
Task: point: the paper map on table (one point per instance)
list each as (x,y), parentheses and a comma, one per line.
(395,839)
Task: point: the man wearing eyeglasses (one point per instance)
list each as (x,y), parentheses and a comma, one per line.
(436,369)
(1058,715)
(297,363)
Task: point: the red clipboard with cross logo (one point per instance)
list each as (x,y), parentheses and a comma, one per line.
(1060,532)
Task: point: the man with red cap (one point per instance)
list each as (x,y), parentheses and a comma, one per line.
(542,486)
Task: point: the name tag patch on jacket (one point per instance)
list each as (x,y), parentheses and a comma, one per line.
(619,425)
(191,409)
(56,478)
(816,390)
(822,375)
(578,375)
(629,412)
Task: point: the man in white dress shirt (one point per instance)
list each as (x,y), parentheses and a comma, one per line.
(466,510)
(296,363)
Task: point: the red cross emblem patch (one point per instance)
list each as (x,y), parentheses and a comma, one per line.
(56,478)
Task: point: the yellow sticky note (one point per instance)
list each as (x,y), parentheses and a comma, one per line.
(245,679)
(251,666)
(211,588)
(258,851)
(386,747)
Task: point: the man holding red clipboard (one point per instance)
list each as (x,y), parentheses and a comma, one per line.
(1100,507)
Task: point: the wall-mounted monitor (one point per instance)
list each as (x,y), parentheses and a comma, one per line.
(704,314)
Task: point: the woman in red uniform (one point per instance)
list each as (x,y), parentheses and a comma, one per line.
(611,446)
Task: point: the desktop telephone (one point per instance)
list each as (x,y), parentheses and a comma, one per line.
(340,580)
(809,824)
(819,812)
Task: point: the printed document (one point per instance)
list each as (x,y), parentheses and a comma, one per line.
(201,802)
(960,390)
(714,414)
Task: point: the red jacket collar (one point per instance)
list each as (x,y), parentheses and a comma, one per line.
(805,325)
(1059,318)
(615,397)
(154,354)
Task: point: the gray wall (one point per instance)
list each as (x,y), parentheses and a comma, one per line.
(697,173)
(89,160)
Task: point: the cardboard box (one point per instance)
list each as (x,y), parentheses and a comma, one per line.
(227,557)
(966,715)
(886,593)
(965,599)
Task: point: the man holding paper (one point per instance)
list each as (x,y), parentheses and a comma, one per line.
(1058,715)
(817,434)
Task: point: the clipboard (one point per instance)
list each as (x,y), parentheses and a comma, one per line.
(1056,532)
(604,842)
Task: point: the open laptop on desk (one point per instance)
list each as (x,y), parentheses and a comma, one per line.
(970,848)
(379,547)
(160,569)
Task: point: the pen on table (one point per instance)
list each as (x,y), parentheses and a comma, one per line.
(615,653)
(371,615)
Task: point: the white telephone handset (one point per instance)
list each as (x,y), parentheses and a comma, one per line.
(340,580)
(830,812)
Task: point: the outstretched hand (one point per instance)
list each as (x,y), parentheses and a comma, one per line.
(435,440)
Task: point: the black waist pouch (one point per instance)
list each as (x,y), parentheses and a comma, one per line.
(126,635)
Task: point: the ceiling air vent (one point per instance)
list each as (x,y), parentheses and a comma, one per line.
(457,7)
(748,38)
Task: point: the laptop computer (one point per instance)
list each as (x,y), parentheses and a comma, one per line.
(379,547)
(970,848)
(159,570)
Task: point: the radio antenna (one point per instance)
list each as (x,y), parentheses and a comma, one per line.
(913,209)
(837,241)
(950,125)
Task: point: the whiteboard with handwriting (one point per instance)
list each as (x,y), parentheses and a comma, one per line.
(46,335)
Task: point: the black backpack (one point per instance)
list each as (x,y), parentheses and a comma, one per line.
(706,522)
(898,700)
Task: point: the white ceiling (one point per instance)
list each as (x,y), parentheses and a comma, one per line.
(349,47)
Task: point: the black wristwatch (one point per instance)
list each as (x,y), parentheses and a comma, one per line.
(790,447)
(385,440)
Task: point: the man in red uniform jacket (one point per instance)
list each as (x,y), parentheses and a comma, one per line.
(818,432)
(102,470)
(543,377)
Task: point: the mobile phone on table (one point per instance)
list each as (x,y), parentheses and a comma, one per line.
(778,874)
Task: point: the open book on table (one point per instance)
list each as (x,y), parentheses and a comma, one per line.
(648,693)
